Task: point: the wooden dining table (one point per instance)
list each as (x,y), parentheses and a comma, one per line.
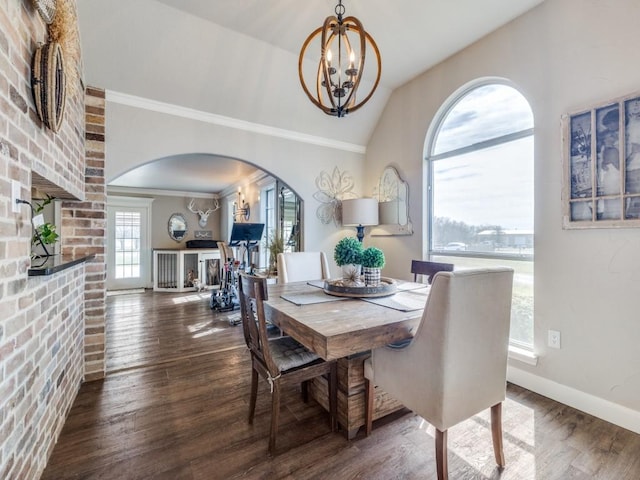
(346,330)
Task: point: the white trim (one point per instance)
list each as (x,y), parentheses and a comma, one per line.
(145,204)
(212,118)
(122,201)
(606,410)
(255,177)
(119,191)
(523,355)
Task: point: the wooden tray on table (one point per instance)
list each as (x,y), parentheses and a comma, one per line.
(342,288)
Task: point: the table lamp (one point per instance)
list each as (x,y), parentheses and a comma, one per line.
(359,213)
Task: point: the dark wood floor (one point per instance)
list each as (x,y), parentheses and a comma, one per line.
(175,403)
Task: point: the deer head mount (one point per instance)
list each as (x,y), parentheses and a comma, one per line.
(204,216)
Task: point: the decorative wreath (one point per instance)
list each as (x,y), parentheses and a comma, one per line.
(48,84)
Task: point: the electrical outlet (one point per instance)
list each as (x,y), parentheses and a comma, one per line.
(554,339)
(15,195)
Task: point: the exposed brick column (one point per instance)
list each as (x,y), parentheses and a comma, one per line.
(85,231)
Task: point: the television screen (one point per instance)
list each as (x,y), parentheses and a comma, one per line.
(250,233)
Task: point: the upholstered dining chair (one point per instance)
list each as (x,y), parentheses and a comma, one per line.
(301,266)
(456,364)
(429,269)
(281,361)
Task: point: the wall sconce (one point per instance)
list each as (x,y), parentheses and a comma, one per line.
(241,209)
(359,213)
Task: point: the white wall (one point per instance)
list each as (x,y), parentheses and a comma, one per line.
(137,136)
(563,55)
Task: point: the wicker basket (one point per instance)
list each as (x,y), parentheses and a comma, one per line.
(46,9)
(48,84)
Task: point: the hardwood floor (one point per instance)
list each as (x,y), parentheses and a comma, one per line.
(175,403)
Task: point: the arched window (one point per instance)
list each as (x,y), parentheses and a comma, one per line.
(480,159)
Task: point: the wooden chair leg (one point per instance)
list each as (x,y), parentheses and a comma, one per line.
(254,394)
(496,433)
(275,416)
(441,455)
(333,396)
(305,391)
(369,396)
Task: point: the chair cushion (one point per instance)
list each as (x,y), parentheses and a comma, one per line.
(288,354)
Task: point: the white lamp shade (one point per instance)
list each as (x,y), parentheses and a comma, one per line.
(359,211)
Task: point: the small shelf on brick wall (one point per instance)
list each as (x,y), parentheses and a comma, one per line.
(55,264)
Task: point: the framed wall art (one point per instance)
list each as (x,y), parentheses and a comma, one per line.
(601,165)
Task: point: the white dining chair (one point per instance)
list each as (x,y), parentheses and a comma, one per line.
(302,266)
(456,364)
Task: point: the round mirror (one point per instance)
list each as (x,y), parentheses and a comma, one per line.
(177,227)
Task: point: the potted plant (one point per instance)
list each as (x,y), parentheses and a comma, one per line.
(372,261)
(44,233)
(275,245)
(347,254)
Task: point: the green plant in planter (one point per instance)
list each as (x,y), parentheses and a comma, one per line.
(348,251)
(275,245)
(44,233)
(372,257)
(47,233)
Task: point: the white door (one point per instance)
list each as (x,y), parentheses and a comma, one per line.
(128,246)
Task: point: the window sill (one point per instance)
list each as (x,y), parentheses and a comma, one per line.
(523,355)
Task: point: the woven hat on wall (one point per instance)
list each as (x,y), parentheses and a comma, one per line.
(46,9)
(48,84)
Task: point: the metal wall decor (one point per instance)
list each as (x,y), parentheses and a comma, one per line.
(342,45)
(332,189)
(601,165)
(48,84)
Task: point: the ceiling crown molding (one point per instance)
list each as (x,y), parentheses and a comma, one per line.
(212,118)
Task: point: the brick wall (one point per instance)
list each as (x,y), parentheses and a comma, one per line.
(42,319)
(84,226)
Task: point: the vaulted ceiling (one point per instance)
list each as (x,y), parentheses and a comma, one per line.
(238,59)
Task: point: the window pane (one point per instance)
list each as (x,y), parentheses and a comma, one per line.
(127,244)
(483,200)
(482,192)
(487,112)
(522,300)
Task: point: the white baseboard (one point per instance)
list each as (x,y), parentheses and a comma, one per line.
(598,407)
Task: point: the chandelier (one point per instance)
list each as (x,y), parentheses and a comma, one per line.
(343,44)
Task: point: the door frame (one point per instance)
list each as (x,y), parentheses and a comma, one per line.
(138,203)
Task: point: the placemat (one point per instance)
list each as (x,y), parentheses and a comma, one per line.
(307,298)
(406,286)
(403,301)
